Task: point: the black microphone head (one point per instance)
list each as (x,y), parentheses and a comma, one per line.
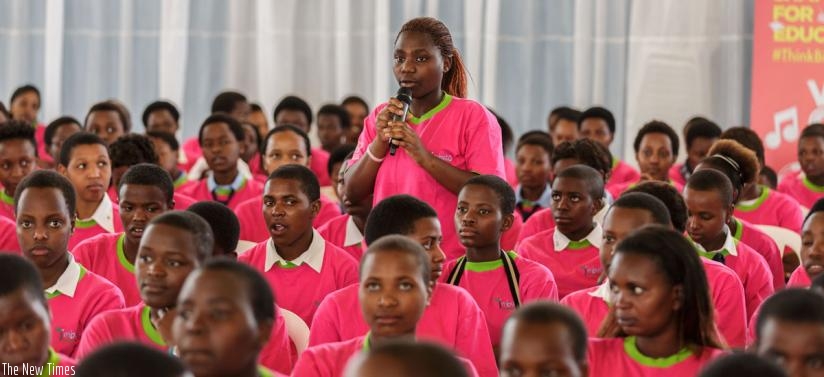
(404,95)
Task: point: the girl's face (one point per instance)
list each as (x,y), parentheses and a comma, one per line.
(89,171)
(418,64)
(655,156)
(165,258)
(24,329)
(393,293)
(645,301)
(812,244)
(44,226)
(811,155)
(478,218)
(106,124)
(25,107)
(706,216)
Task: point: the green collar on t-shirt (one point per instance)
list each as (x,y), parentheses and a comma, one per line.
(447,99)
(488,265)
(765,193)
(148,327)
(631,348)
(6,198)
(121,254)
(51,363)
(812,186)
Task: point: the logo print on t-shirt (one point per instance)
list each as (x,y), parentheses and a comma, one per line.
(444,155)
(66,335)
(504,304)
(591,271)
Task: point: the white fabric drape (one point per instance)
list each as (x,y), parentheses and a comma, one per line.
(643,59)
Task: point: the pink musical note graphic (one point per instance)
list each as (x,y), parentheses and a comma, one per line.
(785,123)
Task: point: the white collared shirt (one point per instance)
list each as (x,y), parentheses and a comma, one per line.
(560,241)
(729,244)
(68,280)
(104,214)
(353,234)
(602,292)
(313,256)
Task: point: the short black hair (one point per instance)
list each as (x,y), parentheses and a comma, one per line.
(739,163)
(254,106)
(294,103)
(132,149)
(262,298)
(598,113)
(307,179)
(404,245)
(284,128)
(539,139)
(254,130)
(357,100)
(813,130)
(592,178)
(747,138)
(128,359)
(668,195)
(339,156)
(224,223)
(742,364)
(16,273)
(55,125)
(396,214)
(701,128)
(791,305)
(587,152)
(17,130)
(546,313)
(566,113)
(338,111)
(193,224)
(167,138)
(711,180)
(158,106)
(234,126)
(771,176)
(148,174)
(420,359)
(110,106)
(504,192)
(47,179)
(646,202)
(659,127)
(506,130)
(225,102)
(80,138)
(818,206)
(23,90)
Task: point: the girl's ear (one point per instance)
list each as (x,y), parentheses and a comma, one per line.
(264,331)
(678,302)
(507,222)
(447,64)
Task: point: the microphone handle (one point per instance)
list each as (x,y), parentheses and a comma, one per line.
(393,148)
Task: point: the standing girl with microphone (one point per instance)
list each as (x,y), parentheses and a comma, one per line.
(444,140)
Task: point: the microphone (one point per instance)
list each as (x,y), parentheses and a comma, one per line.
(405,96)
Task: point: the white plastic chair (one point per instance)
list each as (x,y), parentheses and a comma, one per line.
(297,329)
(243,246)
(784,238)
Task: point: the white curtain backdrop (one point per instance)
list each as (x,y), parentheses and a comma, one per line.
(643,59)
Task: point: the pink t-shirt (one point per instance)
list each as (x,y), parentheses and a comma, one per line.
(253,225)
(84,230)
(334,231)
(799,278)
(754,274)
(764,245)
(278,353)
(620,357)
(460,132)
(129,324)
(200,192)
(574,268)
(318,165)
(772,208)
(71,315)
(511,174)
(330,359)
(6,205)
(726,292)
(675,174)
(538,222)
(801,189)
(622,173)
(191,149)
(40,138)
(509,239)
(452,319)
(487,283)
(300,289)
(8,237)
(104,255)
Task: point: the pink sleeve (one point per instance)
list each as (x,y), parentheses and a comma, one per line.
(108,299)
(328,211)
(367,134)
(484,152)
(510,238)
(772,259)
(325,323)
(472,339)
(790,216)
(730,309)
(543,288)
(81,253)
(274,354)
(535,224)
(96,334)
(348,272)
(470,369)
(759,284)
(308,365)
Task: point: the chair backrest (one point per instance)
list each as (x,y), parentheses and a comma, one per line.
(297,329)
(243,246)
(784,238)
